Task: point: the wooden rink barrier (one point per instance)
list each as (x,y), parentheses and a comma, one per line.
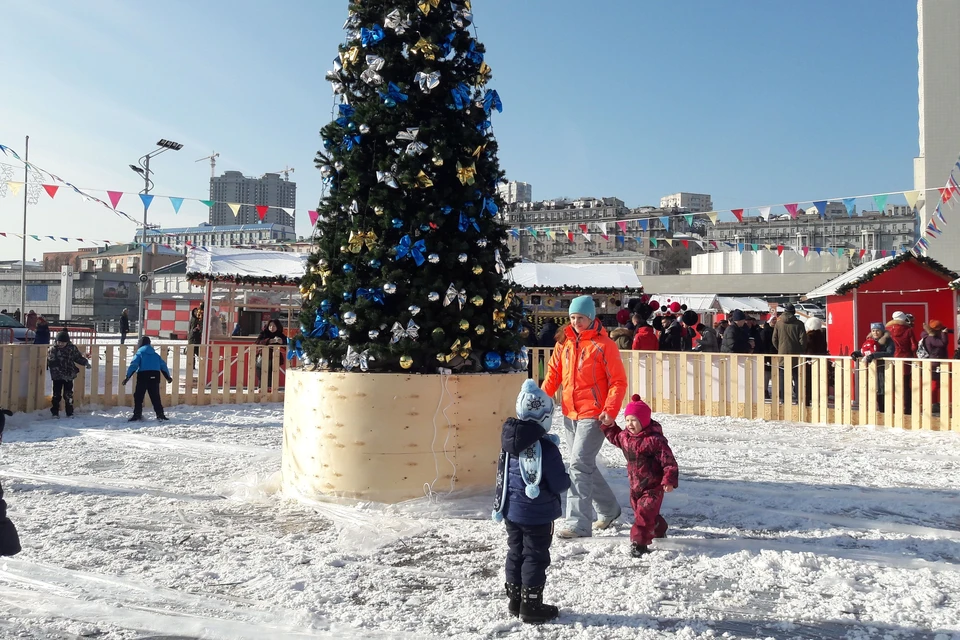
(828,390)
(816,389)
(25,383)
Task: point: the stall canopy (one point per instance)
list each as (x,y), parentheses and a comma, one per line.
(535,275)
(245,265)
(700,303)
(747,305)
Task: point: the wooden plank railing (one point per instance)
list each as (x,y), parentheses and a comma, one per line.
(231,378)
(909,394)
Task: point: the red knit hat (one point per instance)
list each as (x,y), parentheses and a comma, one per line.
(638,409)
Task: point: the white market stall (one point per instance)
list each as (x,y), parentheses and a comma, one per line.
(547,288)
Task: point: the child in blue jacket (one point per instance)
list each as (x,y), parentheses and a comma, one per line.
(150,365)
(530,479)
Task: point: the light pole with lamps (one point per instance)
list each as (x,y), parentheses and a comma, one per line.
(144,170)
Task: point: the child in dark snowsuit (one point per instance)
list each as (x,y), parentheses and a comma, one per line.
(148,365)
(62,360)
(530,479)
(9,540)
(651,468)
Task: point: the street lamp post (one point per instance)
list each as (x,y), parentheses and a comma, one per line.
(144,170)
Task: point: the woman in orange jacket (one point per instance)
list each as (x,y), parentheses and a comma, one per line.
(587,365)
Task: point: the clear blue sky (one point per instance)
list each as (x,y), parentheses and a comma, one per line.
(755,102)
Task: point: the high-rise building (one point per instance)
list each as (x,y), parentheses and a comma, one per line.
(271,190)
(514,192)
(692,202)
(938,22)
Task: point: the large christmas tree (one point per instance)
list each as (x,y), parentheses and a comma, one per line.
(408,272)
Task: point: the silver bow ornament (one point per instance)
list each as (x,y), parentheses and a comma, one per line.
(355,359)
(396,22)
(452,294)
(399,333)
(427,81)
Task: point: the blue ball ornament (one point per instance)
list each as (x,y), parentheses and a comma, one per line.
(492,361)
(397,223)
(327,143)
(390,102)
(347,296)
(351,126)
(374,264)
(348,268)
(509,324)
(325,306)
(509,357)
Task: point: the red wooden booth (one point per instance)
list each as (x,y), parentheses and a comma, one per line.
(244,289)
(875,290)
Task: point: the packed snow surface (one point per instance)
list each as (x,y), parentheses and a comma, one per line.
(178,530)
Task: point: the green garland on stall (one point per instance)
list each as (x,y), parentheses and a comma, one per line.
(267,281)
(580,291)
(930,263)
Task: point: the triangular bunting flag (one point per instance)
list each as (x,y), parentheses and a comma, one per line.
(569,235)
(945,193)
(740,247)
(52,238)
(738,214)
(791,209)
(880,202)
(262,211)
(235,207)
(839,252)
(851,205)
(863,252)
(176,202)
(147,199)
(689,218)
(806,250)
(114,197)
(686,244)
(653,242)
(665,221)
(645,225)
(713,215)
(755,247)
(51,189)
(209,203)
(15,187)
(287,211)
(939,215)
(821,206)
(583,228)
(779,249)
(669,241)
(911,197)
(532,231)
(817,249)
(765,213)
(37,238)
(713,243)
(588,237)
(623,225)
(874,252)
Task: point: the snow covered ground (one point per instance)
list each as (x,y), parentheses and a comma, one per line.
(177,530)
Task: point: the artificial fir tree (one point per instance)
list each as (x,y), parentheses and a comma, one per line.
(408,271)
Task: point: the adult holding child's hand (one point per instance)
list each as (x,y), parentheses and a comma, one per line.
(586,363)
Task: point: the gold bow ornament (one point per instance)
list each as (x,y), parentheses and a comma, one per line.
(360,238)
(467,175)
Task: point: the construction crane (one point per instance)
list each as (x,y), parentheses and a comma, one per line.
(286,171)
(213,162)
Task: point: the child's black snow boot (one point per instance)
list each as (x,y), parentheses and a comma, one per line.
(532,609)
(513,592)
(639,550)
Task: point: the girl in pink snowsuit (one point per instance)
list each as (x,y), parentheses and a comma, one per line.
(651,468)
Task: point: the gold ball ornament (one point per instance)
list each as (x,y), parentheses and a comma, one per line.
(479,329)
(406,362)
(497,297)
(378,210)
(437,161)
(477,269)
(344,248)
(476,301)
(525,333)
(464,325)
(437,333)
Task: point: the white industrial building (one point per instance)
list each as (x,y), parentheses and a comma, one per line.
(735,262)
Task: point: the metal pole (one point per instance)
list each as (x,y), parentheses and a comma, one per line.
(143,253)
(23,256)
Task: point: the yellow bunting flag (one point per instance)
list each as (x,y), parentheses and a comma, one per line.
(912,197)
(15,187)
(713,216)
(235,207)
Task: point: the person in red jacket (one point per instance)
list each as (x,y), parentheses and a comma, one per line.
(644,337)
(905,346)
(587,365)
(651,469)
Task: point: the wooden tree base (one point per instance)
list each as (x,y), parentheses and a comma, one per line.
(383,437)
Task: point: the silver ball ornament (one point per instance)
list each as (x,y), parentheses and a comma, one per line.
(350,317)
(433,258)
(462,258)
(373,334)
(433,296)
(413,309)
(390,288)
(364,129)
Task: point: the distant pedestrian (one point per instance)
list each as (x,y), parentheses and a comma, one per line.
(789,339)
(31,322)
(16,315)
(62,360)
(195,333)
(644,336)
(42,333)
(148,365)
(708,342)
(124,325)
(736,338)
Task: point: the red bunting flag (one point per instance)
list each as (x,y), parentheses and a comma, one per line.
(946,193)
(806,250)
(738,213)
(583,228)
(791,209)
(115,197)
(623,225)
(569,235)
(779,249)
(685,243)
(863,252)
(313,217)
(262,211)
(51,189)
(713,243)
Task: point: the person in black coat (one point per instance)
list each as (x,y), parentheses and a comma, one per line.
(530,479)
(124,325)
(736,339)
(272,335)
(9,538)
(548,333)
(42,334)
